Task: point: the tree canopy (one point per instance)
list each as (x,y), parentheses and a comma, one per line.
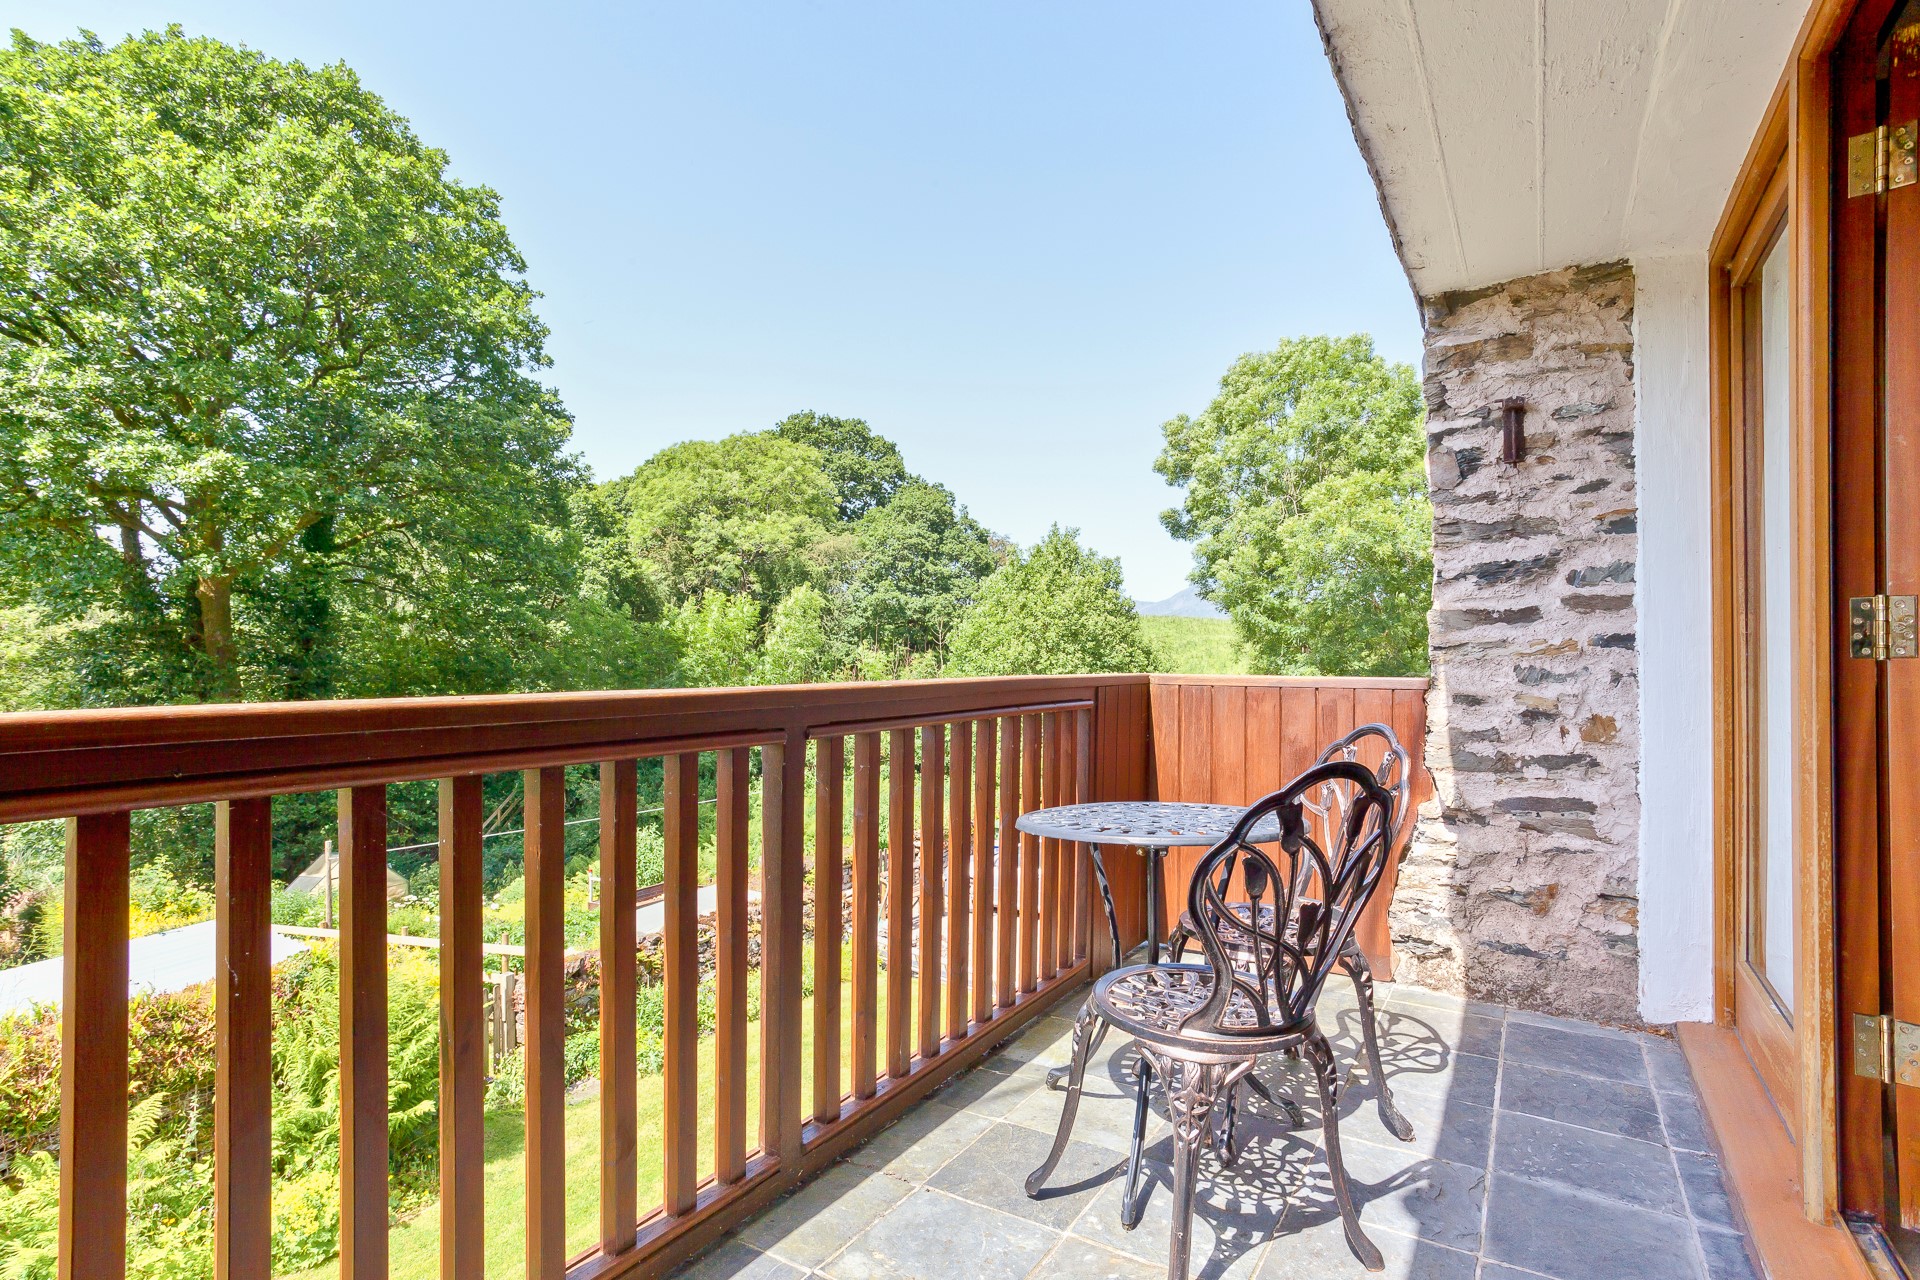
(865,467)
(917,567)
(257,348)
(1060,609)
(1305,496)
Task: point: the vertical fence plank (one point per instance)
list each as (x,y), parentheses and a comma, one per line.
(1050,896)
(619,889)
(545,821)
(959,877)
(1063,849)
(866,911)
(363,1033)
(463,1033)
(243,1039)
(93,1050)
(783,868)
(899,902)
(1083,764)
(730,962)
(681,1121)
(932,852)
(983,871)
(1030,855)
(1007,900)
(829,800)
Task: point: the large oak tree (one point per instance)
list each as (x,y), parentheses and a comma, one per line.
(255,342)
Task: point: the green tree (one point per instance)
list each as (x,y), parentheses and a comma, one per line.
(719,637)
(918,564)
(1306,499)
(866,469)
(801,645)
(255,345)
(749,514)
(1059,610)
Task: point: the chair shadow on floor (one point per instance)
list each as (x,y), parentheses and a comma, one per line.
(1277,1189)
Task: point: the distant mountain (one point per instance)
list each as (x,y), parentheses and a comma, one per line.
(1182,604)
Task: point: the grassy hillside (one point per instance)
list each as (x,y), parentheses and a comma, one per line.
(1195,646)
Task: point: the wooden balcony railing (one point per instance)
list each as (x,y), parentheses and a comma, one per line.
(1001,930)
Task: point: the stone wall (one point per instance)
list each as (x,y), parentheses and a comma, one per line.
(1521,884)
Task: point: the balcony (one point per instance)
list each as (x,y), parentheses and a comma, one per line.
(909,1095)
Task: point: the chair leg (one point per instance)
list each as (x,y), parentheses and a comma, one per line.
(1057,1076)
(1131,1204)
(1177,944)
(1194,1090)
(1354,961)
(1320,1056)
(1083,1031)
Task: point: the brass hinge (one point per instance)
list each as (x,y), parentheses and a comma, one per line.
(1881,627)
(1886,1049)
(1883,159)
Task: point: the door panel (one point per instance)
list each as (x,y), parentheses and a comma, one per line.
(1900,541)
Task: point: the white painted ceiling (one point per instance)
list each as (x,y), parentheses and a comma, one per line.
(1515,136)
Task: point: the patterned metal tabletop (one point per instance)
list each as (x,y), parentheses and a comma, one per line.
(1153,824)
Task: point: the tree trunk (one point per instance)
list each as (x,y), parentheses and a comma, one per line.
(216,636)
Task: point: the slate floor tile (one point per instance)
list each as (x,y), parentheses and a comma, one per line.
(1606,1105)
(1105,1117)
(1526,1017)
(1576,1051)
(810,1225)
(993,1172)
(1624,1170)
(1321,1253)
(1706,1193)
(1727,1256)
(1233,1221)
(1459,1076)
(917,1144)
(1400,1190)
(933,1234)
(1077,1259)
(732,1260)
(1570,1236)
(1667,1065)
(1449,1130)
(993,1088)
(1686,1124)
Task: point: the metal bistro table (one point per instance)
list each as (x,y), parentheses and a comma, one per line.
(1153,827)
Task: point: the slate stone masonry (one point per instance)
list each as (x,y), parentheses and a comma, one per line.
(1521,883)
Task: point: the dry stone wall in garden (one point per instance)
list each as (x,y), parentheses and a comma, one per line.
(1521,883)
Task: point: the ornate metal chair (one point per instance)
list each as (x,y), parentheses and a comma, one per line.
(1328,804)
(1202,1029)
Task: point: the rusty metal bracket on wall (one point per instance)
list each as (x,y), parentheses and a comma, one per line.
(1513,436)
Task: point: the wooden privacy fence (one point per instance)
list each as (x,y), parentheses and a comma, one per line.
(956,929)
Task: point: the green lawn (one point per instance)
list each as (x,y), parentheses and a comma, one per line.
(1195,646)
(414,1245)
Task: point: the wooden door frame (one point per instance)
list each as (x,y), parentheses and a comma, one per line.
(1797,132)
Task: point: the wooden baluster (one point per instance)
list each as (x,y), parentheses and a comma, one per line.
(682,965)
(463,1033)
(619,964)
(1083,891)
(829,820)
(1030,855)
(899,902)
(1062,764)
(866,912)
(959,879)
(1006,907)
(730,962)
(1049,849)
(983,872)
(363,1033)
(243,1039)
(93,1050)
(546,881)
(932,856)
(783,864)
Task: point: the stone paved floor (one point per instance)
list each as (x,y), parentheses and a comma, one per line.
(1542,1147)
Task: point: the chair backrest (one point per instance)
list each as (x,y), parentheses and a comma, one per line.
(1368,744)
(1277,961)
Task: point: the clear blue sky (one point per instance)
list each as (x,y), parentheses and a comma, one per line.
(1014,237)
